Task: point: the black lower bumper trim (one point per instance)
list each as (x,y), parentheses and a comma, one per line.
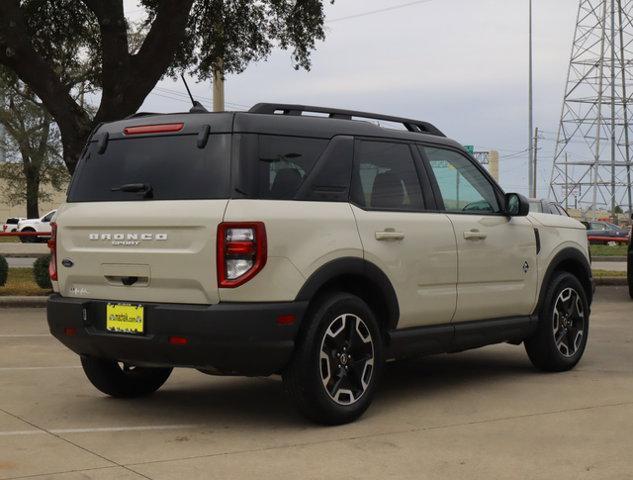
(240,338)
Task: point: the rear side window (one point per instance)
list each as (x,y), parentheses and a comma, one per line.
(274,167)
(385,177)
(173,165)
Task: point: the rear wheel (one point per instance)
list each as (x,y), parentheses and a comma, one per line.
(561,337)
(122,380)
(333,374)
(28,239)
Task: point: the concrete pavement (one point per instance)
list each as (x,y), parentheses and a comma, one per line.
(476,415)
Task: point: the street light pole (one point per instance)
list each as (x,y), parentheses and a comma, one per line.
(530,116)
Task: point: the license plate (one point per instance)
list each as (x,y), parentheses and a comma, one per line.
(123,318)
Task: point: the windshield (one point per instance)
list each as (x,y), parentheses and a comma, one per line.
(167,168)
(535,207)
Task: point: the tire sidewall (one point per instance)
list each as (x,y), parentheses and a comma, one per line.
(560,283)
(320,320)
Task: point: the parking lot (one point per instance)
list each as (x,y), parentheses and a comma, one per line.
(479,414)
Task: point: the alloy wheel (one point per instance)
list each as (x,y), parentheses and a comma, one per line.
(346,359)
(569,322)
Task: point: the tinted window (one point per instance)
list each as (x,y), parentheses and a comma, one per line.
(330,179)
(173,166)
(12,221)
(48,217)
(385,177)
(274,167)
(463,186)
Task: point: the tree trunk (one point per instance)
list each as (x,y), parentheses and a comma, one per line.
(32,194)
(73,141)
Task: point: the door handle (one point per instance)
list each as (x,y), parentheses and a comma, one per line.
(474,235)
(389,234)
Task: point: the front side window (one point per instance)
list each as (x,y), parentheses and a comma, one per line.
(598,226)
(385,177)
(464,188)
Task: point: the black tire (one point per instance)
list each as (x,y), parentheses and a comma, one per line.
(123,382)
(560,319)
(28,239)
(306,378)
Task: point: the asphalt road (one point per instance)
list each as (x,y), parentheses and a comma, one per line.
(481,414)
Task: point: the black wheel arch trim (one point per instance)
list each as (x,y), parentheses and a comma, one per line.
(354,266)
(567,254)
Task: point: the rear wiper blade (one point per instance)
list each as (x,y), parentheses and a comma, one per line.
(144,188)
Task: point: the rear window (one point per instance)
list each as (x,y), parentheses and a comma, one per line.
(274,167)
(12,221)
(173,166)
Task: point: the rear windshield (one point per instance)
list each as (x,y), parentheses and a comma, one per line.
(172,167)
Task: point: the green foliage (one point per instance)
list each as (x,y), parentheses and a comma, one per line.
(4,271)
(229,34)
(40,272)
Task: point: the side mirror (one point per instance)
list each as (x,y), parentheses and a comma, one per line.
(517,205)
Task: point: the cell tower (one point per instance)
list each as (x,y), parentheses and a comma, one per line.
(592,159)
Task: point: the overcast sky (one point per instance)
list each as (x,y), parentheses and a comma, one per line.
(460,64)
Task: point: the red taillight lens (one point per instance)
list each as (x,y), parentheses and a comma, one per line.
(52,244)
(241,252)
(162,128)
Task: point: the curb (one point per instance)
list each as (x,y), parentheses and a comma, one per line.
(611,281)
(23,301)
(609,259)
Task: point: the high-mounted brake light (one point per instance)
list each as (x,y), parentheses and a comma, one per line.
(241,252)
(162,128)
(52,244)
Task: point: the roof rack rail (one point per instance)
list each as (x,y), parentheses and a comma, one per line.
(288,109)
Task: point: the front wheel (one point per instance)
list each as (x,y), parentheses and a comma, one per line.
(561,336)
(337,362)
(122,380)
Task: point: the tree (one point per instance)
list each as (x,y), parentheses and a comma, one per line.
(50,44)
(32,146)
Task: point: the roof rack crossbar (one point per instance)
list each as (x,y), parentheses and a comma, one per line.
(289,109)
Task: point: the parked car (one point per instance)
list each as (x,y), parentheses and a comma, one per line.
(315,247)
(41,225)
(11,225)
(541,205)
(606,233)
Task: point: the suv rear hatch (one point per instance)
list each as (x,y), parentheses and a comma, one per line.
(143,209)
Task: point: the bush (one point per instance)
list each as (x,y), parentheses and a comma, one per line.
(40,272)
(4,271)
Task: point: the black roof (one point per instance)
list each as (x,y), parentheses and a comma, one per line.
(291,121)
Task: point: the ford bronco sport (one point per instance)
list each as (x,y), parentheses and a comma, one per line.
(302,241)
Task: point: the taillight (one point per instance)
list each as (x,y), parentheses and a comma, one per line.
(241,252)
(52,244)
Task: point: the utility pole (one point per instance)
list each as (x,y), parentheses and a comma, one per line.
(566,182)
(613,140)
(530,112)
(534,162)
(218,88)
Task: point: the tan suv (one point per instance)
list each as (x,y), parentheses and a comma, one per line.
(307,242)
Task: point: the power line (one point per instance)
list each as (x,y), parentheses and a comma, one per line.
(381,10)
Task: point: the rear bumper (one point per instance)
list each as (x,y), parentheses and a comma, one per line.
(239,338)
